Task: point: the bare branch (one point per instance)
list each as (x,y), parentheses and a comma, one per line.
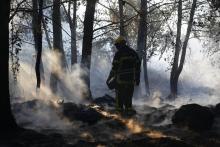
(16,10)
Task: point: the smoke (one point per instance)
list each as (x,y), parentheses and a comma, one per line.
(70,82)
(45,113)
(199,83)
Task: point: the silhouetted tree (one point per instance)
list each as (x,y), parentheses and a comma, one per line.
(178,63)
(73,35)
(87,44)
(121,17)
(37,32)
(72,23)
(7,121)
(142,40)
(57,45)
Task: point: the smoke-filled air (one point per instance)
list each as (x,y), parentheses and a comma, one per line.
(110,73)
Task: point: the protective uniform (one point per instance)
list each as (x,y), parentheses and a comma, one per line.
(126,71)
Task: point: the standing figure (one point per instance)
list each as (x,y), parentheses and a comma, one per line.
(125,74)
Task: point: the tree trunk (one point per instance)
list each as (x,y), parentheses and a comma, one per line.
(121,18)
(185,43)
(176,71)
(73,23)
(142,40)
(73,36)
(7,121)
(37,33)
(87,44)
(57,44)
(173,80)
(57,30)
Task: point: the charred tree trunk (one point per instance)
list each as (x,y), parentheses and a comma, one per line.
(185,43)
(57,45)
(178,65)
(73,24)
(142,40)
(87,44)
(57,31)
(121,17)
(173,83)
(7,121)
(37,32)
(73,35)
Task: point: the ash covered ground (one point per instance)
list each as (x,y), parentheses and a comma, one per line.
(97,124)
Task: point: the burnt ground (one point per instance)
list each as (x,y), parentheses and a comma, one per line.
(97,124)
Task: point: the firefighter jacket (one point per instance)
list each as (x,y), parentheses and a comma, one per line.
(126,66)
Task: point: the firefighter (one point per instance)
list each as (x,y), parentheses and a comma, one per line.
(125,73)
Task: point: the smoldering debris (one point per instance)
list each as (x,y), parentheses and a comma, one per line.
(194,116)
(40,113)
(85,124)
(81,113)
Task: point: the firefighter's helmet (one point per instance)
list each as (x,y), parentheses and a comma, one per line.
(120,40)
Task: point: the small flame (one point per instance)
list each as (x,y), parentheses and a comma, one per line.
(155,134)
(133,125)
(100,145)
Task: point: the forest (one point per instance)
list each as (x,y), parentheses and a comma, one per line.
(58,59)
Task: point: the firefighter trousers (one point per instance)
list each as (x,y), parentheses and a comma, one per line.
(124,94)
